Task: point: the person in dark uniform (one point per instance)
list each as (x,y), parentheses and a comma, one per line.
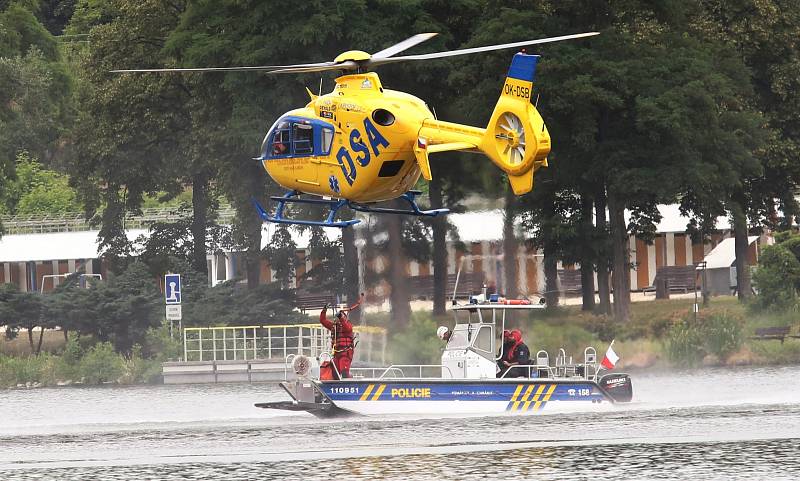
(518,355)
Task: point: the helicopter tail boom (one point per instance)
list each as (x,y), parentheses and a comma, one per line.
(516,139)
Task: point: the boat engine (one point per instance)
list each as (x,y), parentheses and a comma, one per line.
(618,386)
(305,367)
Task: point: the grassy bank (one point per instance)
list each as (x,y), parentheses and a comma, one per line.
(661,333)
(84,361)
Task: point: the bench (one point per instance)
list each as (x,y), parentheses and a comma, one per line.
(469,283)
(570,280)
(305,301)
(678,278)
(777,332)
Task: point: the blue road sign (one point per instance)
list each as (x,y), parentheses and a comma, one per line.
(172,288)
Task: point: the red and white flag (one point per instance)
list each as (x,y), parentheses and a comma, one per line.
(611,358)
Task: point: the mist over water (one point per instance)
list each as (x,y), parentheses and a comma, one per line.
(711,424)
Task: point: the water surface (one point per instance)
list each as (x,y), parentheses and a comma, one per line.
(710,425)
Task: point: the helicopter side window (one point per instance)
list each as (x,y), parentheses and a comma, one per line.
(303,137)
(281,141)
(327,140)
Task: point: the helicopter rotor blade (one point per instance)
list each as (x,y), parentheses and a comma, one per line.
(488,48)
(404,45)
(346,65)
(259,68)
(379,58)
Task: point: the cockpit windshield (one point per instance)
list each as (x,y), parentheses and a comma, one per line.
(297,137)
(280,143)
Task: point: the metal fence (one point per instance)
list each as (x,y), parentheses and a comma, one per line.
(76,221)
(251,343)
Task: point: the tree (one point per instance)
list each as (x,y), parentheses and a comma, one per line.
(765,34)
(36,190)
(133,127)
(622,129)
(128,305)
(282,257)
(36,93)
(21,310)
(777,278)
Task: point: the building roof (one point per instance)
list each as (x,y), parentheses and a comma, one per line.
(53,245)
(479,225)
(673,221)
(724,255)
(476,226)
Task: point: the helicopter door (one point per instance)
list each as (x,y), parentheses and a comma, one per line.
(302,150)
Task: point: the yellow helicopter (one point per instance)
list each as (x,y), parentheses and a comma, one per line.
(361,144)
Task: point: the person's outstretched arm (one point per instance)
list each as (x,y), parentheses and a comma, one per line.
(323,318)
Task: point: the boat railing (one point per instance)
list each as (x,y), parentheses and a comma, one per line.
(288,361)
(564,367)
(401,371)
(375,372)
(590,362)
(275,342)
(420,368)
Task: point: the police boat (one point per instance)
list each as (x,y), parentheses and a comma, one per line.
(466,381)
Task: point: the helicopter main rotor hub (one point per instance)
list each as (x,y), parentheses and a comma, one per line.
(352,55)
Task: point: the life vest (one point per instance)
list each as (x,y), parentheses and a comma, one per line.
(341,341)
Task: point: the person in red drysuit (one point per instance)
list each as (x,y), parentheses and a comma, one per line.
(341,338)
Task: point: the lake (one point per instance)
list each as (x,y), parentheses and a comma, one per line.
(717,424)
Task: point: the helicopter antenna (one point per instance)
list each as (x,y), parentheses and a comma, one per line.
(320,86)
(434,112)
(536,104)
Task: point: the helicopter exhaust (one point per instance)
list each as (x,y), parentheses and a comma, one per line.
(516,138)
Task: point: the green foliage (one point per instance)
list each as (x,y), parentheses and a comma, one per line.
(553,336)
(29,369)
(70,366)
(280,254)
(230,303)
(417,343)
(20,31)
(328,274)
(36,190)
(724,334)
(135,368)
(119,309)
(160,345)
(101,364)
(684,344)
(21,310)
(719,333)
(777,277)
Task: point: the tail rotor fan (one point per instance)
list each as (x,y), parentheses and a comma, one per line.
(510,139)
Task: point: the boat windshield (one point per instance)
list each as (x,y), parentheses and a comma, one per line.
(459,339)
(466,335)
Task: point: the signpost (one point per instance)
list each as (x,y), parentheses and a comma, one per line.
(172,299)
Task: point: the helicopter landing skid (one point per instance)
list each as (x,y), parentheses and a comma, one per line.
(288,197)
(410,197)
(334,206)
